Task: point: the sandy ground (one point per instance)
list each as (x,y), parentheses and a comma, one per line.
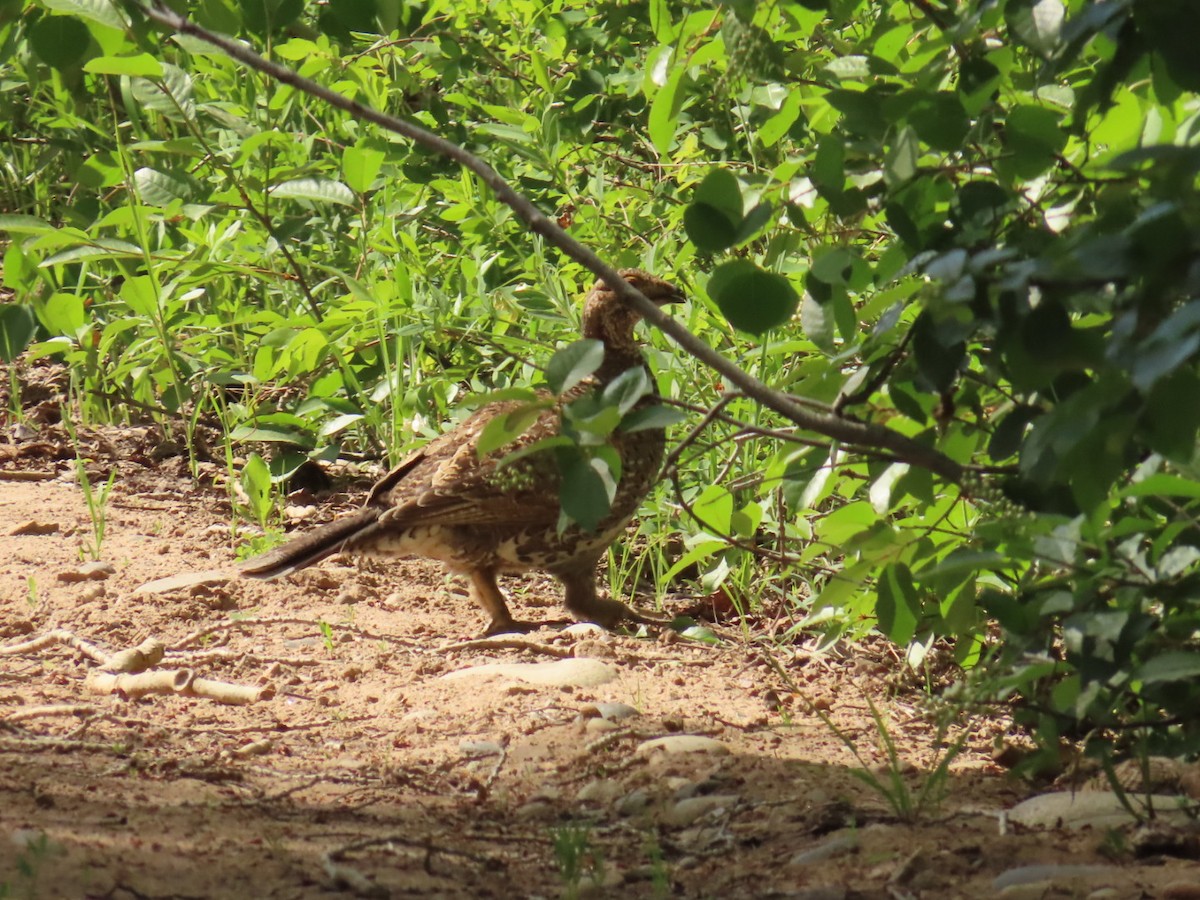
(360,769)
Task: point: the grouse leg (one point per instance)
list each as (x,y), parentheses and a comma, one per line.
(486,593)
(580,597)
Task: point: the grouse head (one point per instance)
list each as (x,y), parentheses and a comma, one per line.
(607,318)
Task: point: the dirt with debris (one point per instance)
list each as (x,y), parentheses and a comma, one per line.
(355,765)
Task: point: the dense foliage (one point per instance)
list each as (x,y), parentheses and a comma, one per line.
(975,224)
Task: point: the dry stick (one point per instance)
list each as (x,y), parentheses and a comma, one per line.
(808,414)
(40,712)
(57,636)
(197,636)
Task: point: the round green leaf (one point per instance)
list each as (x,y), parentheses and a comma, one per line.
(60,41)
(713,217)
(750,299)
(709,228)
(720,189)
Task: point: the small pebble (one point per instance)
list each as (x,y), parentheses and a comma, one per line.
(633,803)
(90,571)
(93,592)
(687,812)
(614,712)
(601,790)
(836,845)
(681,743)
(586,629)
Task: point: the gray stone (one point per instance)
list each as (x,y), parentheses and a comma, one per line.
(187,579)
(612,711)
(89,571)
(686,812)
(836,845)
(633,803)
(1048,874)
(1095,809)
(682,743)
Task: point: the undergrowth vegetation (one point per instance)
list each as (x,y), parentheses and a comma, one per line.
(972,224)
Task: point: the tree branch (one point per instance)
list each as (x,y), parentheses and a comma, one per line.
(851,433)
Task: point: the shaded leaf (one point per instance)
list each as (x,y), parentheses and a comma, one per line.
(573,363)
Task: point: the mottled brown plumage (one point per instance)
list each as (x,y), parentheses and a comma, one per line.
(445,502)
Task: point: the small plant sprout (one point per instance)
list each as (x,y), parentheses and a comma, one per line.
(908,805)
(97,506)
(326,635)
(576,858)
(96,500)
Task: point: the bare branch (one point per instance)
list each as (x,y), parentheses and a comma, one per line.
(851,433)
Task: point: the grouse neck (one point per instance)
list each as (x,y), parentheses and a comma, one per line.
(617,363)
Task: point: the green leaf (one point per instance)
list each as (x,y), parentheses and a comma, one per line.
(161,188)
(753,222)
(660,21)
(708,228)
(714,509)
(1038,23)
(100,248)
(648,417)
(939,120)
(316,190)
(141,64)
(60,41)
(171,96)
(339,423)
(256,483)
(898,604)
(900,164)
(17,327)
(751,299)
(587,489)
(505,428)
(1173,666)
(141,294)
(105,12)
(713,217)
(63,314)
(1162,485)
(773,130)
(361,165)
(627,389)
(664,111)
(1033,136)
(1170,27)
(573,363)
(817,320)
(270,435)
(18,224)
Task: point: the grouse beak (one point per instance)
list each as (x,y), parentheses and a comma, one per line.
(676,296)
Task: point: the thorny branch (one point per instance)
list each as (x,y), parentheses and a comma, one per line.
(854,434)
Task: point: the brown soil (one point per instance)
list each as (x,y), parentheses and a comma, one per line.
(366,773)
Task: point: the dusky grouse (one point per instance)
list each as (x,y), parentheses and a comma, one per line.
(446,502)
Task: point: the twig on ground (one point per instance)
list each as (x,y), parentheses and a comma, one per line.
(197,636)
(507,643)
(56,636)
(43,712)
